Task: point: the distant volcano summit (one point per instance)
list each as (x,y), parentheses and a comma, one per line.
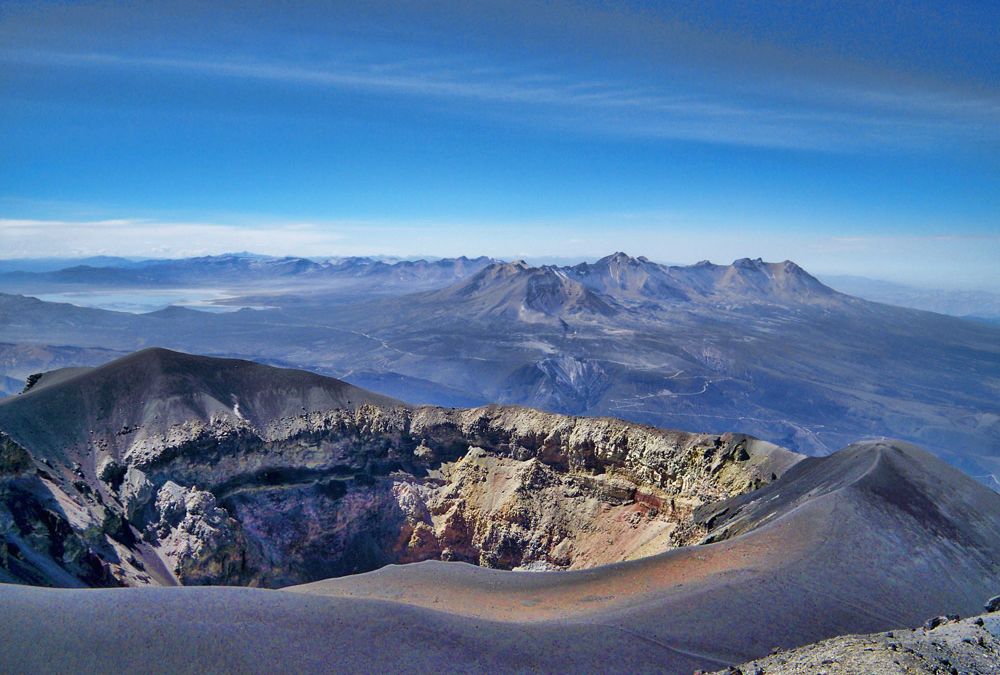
(619,282)
(624,277)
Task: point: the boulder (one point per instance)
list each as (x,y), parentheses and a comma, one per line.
(934,622)
(110,471)
(136,492)
(197,536)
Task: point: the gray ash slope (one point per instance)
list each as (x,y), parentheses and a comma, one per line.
(166,468)
(854,547)
(155,389)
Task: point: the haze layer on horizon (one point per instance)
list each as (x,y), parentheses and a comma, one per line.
(854,138)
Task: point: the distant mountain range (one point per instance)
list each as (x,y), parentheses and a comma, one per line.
(41,265)
(618,275)
(236,269)
(641,277)
(963,303)
(620,284)
(756,347)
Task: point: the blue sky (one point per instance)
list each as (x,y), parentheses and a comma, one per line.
(853,137)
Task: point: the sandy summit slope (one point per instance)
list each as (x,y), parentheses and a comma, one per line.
(877,537)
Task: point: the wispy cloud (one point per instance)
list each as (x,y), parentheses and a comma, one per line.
(818,117)
(877,239)
(140,237)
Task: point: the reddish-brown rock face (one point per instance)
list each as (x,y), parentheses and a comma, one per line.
(169,468)
(342,491)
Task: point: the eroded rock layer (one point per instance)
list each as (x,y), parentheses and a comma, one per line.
(206,477)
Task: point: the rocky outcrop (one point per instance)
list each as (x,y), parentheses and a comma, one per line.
(48,539)
(944,645)
(136,493)
(524,514)
(342,491)
(13,458)
(111,472)
(215,497)
(199,539)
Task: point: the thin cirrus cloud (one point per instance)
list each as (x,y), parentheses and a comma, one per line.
(759,113)
(463,127)
(29,238)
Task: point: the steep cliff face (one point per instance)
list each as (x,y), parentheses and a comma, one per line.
(225,497)
(46,537)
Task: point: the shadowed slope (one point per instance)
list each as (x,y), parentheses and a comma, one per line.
(517,291)
(624,278)
(156,389)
